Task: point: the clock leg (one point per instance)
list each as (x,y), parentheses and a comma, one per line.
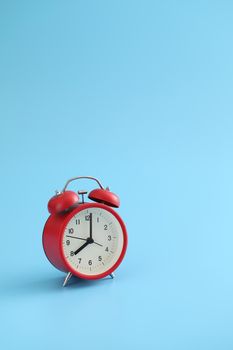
(66,280)
(112,275)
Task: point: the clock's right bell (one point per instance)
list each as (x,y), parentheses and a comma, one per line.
(101,195)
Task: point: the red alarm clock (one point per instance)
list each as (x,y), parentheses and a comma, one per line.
(85,239)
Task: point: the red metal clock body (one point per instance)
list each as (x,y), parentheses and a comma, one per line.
(88,240)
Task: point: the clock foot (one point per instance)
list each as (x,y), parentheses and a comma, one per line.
(66,280)
(112,275)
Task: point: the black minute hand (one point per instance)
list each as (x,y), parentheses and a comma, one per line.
(90,225)
(82,247)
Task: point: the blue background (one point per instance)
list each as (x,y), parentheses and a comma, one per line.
(138,94)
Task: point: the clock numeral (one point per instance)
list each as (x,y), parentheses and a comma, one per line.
(71,253)
(67,242)
(87,217)
(90,262)
(78,222)
(106,249)
(98,219)
(100,258)
(71,230)
(79,260)
(105,227)
(109,238)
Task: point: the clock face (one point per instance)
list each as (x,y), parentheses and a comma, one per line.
(93,241)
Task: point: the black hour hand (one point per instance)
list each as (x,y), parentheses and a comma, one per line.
(82,247)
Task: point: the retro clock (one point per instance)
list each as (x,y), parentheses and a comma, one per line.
(85,239)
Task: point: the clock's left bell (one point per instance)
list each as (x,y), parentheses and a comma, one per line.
(63,202)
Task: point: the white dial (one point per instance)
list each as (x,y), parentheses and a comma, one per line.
(93,241)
